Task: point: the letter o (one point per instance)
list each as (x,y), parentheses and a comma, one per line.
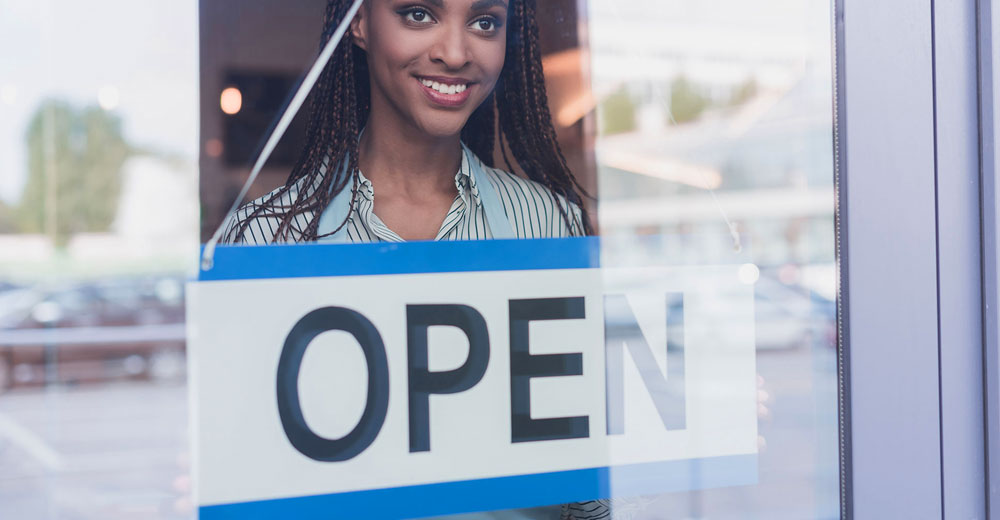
(290,408)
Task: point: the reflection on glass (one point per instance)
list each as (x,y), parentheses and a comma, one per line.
(715,134)
(98,225)
(703,126)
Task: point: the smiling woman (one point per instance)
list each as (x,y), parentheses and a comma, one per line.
(416,97)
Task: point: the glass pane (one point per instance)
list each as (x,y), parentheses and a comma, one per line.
(98,228)
(716,116)
(701,129)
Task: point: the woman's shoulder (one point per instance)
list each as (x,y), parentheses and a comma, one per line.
(533,208)
(257,222)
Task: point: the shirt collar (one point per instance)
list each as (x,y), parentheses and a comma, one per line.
(365,187)
(465,181)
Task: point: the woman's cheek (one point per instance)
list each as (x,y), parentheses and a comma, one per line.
(402,52)
(492,59)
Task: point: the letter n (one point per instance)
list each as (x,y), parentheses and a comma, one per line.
(621,329)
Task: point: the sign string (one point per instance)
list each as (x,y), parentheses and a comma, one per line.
(208,255)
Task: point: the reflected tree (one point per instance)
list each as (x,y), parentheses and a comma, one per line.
(6,219)
(618,113)
(687,101)
(75,158)
(743,93)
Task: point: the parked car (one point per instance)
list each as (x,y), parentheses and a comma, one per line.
(92,331)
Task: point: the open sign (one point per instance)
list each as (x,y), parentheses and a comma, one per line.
(443,392)
(524,366)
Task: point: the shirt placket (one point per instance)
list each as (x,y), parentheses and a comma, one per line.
(456,214)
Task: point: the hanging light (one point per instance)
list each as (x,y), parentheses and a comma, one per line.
(231,100)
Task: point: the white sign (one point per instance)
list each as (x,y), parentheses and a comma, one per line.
(515,388)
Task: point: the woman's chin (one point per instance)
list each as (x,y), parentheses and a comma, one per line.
(444,126)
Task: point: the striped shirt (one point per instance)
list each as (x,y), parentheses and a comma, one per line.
(530,207)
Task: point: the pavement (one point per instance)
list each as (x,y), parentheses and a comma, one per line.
(95,452)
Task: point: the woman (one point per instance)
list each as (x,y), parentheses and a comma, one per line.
(411,104)
(416,92)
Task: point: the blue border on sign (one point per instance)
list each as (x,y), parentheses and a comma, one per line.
(499,493)
(313,260)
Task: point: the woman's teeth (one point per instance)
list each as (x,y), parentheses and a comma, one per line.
(442,88)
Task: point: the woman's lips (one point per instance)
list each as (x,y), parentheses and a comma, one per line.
(449,94)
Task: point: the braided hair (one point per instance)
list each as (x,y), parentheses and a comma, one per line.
(342,100)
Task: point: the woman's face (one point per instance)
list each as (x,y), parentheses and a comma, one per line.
(432,62)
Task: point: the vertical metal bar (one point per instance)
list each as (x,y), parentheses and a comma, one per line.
(885,100)
(840,229)
(989,266)
(959,281)
(51,356)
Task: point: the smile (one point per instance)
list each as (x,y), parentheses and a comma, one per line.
(444,88)
(446,92)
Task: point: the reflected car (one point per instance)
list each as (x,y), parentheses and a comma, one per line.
(117,328)
(785,316)
(790,316)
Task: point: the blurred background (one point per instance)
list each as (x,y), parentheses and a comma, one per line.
(127,128)
(98,233)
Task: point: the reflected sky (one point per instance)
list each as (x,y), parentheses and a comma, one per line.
(139,59)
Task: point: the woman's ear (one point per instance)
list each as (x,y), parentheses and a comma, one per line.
(359,28)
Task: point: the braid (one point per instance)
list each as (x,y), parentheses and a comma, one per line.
(339,106)
(516,115)
(523,110)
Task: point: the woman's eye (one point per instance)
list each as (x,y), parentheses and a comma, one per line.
(416,15)
(485,24)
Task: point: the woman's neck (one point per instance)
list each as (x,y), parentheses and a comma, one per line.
(396,156)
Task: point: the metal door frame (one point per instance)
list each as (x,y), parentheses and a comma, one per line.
(912,258)
(988,41)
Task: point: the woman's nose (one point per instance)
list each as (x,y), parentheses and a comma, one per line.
(451,49)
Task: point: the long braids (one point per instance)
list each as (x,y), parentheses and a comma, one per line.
(523,106)
(340,106)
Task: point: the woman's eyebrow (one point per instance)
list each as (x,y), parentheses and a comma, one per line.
(480,5)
